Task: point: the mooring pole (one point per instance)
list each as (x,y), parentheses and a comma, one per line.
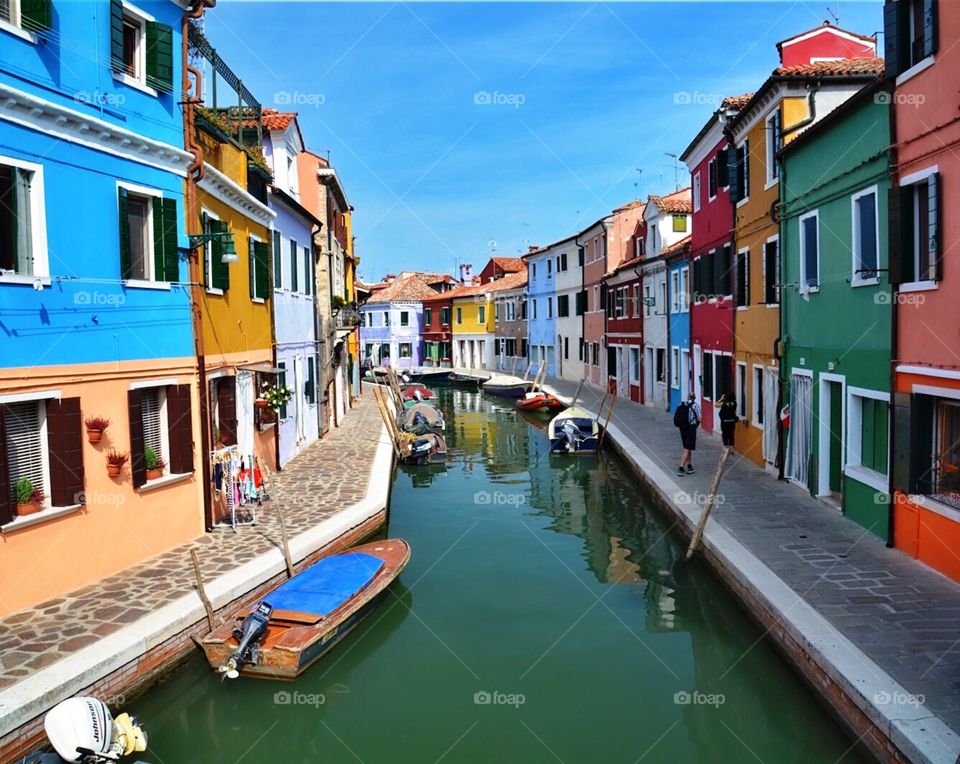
(201,591)
(711,498)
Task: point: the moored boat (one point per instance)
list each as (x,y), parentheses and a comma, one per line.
(427,448)
(417,392)
(538,401)
(303,618)
(428,375)
(573,431)
(507,386)
(421,418)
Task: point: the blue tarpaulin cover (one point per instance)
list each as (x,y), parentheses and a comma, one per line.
(326,585)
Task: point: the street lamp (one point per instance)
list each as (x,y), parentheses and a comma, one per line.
(229,255)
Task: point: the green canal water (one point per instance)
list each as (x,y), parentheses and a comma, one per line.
(545,616)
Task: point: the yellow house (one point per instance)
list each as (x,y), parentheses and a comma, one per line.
(472,325)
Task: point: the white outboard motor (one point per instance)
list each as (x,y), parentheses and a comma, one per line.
(83,730)
(571,432)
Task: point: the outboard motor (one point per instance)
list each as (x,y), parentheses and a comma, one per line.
(571,432)
(248,637)
(421,447)
(83,730)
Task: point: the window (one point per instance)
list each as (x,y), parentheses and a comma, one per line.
(911,34)
(161,425)
(648,300)
(153,420)
(596,299)
(406,349)
(427,316)
(310,384)
(368,319)
(873,415)
(533,271)
(294,266)
(277,261)
(141,50)
(620,304)
(810,251)
(25,424)
(740,179)
(28,16)
(774,140)
(580,350)
(259,264)
(595,350)
(757,403)
(549,268)
(562,262)
(635,366)
(916,256)
(771,272)
(661,365)
(866,235)
(482,314)
(685,288)
(675,291)
(741,390)
(563,305)
(743,278)
(22,227)
(368,350)
(549,307)
(679,223)
(216,272)
(696,192)
(712,178)
(309,275)
(404,318)
(675,367)
(533,309)
(945,485)
(445,317)
(148,236)
(496,311)
(581,302)
(566,348)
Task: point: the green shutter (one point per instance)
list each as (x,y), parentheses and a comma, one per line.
(159,56)
(126,260)
(166,251)
(934,237)
(261,257)
(36,14)
(277,262)
(311,392)
(252,266)
(308,259)
(221,270)
(891,37)
(116,36)
(293,266)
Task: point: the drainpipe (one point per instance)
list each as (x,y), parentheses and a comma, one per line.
(191,219)
(778,353)
(317,330)
(894,324)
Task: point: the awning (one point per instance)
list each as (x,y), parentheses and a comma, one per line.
(263,367)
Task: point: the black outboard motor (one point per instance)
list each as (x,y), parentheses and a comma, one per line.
(248,636)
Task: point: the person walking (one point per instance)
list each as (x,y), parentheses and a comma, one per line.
(728,417)
(687,419)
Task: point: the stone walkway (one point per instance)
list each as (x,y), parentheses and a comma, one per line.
(902,614)
(328,476)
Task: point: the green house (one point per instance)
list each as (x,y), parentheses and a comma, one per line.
(836,315)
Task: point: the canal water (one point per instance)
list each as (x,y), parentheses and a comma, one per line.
(546,615)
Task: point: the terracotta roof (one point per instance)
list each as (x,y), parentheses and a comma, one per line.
(848,67)
(278,120)
(678,202)
(509,264)
(827,25)
(408,288)
(630,206)
(510,281)
(677,248)
(737,102)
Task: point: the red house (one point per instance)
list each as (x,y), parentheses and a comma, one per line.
(711,248)
(498,267)
(437,339)
(625,329)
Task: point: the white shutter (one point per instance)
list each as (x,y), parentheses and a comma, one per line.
(152,421)
(26,444)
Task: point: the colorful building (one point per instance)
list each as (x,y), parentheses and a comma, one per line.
(819,70)
(437,331)
(711,242)
(569,325)
(625,328)
(921,70)
(473,327)
(677,259)
(510,320)
(94,295)
(541,303)
(834,188)
(391,331)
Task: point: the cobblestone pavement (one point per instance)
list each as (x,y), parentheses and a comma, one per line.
(329,475)
(902,614)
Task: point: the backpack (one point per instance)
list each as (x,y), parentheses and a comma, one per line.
(681,417)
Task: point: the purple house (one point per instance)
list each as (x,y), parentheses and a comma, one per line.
(392,330)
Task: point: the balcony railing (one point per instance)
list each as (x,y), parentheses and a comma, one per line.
(346,318)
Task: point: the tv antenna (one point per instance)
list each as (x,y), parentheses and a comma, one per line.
(636,185)
(676,171)
(836,16)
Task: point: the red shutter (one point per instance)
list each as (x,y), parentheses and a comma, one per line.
(180,428)
(138,467)
(65,447)
(6,490)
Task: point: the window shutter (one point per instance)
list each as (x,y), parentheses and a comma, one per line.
(899,245)
(309,392)
(116,36)
(580,256)
(252,266)
(734,175)
(227,410)
(159,56)
(36,14)
(746,169)
(277,262)
(308,270)
(603,296)
(282,380)
(294,286)
(138,467)
(723,168)
(930,30)
(126,260)
(261,252)
(221,270)
(180,428)
(770,272)
(65,446)
(934,238)
(166,252)
(891,37)
(697,278)
(6,490)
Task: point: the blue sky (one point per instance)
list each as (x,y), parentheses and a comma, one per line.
(457,125)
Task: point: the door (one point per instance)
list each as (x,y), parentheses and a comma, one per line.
(245,411)
(623,372)
(800,438)
(835,391)
(297,399)
(648,372)
(684,373)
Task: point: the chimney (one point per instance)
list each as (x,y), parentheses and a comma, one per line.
(466,273)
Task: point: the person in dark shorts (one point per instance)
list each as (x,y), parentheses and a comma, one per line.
(687,419)
(728,417)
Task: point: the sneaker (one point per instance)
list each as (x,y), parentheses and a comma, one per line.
(689,469)
(681,472)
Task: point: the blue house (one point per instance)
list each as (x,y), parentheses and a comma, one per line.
(542,306)
(95,310)
(680,365)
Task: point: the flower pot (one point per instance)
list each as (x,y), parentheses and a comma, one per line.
(154,474)
(261,403)
(93,436)
(28,509)
(113,470)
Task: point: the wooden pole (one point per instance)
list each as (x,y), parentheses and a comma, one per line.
(286,543)
(379,396)
(603,432)
(576,395)
(711,498)
(201,591)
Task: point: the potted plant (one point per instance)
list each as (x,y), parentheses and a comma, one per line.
(29,498)
(261,402)
(153,463)
(115,462)
(337,302)
(95,426)
(276,397)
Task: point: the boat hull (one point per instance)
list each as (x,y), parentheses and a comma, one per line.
(560,446)
(292,645)
(507,391)
(429,375)
(542,402)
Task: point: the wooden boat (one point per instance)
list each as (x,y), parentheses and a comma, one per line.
(427,374)
(304,617)
(456,378)
(421,418)
(417,392)
(538,401)
(427,448)
(507,386)
(573,431)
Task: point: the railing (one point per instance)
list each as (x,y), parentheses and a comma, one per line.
(346,318)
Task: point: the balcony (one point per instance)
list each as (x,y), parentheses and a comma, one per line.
(346,319)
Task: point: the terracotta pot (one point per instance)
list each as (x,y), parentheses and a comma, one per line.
(93,436)
(154,474)
(113,470)
(28,509)
(261,403)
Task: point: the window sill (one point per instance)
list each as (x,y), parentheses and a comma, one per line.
(36,518)
(257,300)
(743,201)
(919,286)
(214,291)
(23,279)
(134,83)
(160,482)
(771,183)
(162,286)
(914,70)
(933,505)
(856,282)
(868,477)
(16,31)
